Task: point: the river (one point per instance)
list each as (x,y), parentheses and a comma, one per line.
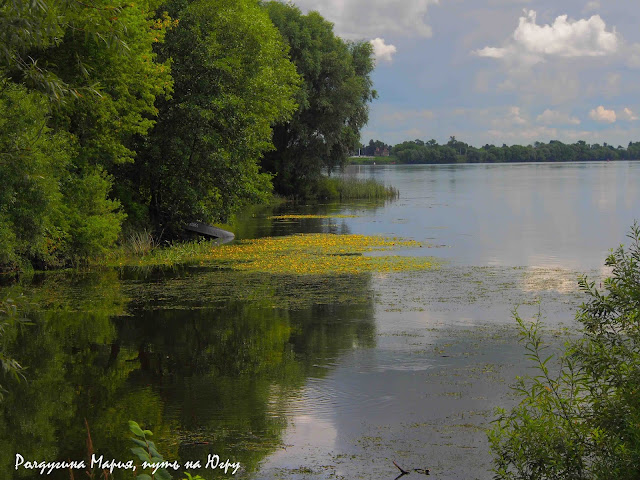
(324,376)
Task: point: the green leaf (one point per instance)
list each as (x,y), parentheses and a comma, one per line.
(141,453)
(163,475)
(137,441)
(135,429)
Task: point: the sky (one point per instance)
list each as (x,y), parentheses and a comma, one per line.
(498,71)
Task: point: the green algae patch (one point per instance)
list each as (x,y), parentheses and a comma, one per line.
(305,217)
(318,254)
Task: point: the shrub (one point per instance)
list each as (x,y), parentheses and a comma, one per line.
(582,422)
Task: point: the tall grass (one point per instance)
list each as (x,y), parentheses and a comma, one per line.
(339,188)
(140,243)
(169,254)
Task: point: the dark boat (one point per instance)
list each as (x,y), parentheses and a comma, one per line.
(209,231)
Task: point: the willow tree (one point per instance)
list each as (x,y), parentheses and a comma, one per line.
(232,81)
(333,101)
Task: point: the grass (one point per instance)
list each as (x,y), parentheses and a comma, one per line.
(340,188)
(140,243)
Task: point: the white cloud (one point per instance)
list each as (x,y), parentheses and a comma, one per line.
(516,116)
(566,39)
(601,114)
(532,43)
(523,135)
(554,117)
(382,51)
(591,7)
(356,19)
(499,119)
(627,114)
(633,56)
(493,52)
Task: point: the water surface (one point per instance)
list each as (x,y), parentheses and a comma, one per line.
(319,377)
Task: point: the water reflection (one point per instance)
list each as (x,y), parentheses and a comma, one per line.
(209,360)
(312,376)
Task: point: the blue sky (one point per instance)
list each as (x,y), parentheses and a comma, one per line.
(498,71)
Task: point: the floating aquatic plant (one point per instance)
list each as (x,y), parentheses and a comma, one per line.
(304,217)
(318,254)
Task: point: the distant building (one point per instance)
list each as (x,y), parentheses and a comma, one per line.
(381,152)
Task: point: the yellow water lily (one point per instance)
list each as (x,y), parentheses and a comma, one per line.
(321,254)
(302,217)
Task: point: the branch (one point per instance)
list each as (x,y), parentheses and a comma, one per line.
(404,472)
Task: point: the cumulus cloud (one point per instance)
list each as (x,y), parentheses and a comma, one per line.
(505,120)
(532,43)
(601,114)
(382,51)
(591,7)
(493,52)
(516,116)
(633,56)
(554,117)
(627,114)
(356,19)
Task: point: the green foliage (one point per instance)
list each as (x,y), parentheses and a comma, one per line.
(122,82)
(146,451)
(455,151)
(33,166)
(190,477)
(10,320)
(51,211)
(333,101)
(583,421)
(77,81)
(232,81)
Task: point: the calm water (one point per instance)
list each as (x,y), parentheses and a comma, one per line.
(323,377)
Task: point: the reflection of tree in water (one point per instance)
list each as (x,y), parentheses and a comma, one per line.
(257,222)
(69,377)
(227,365)
(211,356)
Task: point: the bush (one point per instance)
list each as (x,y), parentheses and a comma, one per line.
(52,211)
(582,422)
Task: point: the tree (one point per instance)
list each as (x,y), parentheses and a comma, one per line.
(333,100)
(584,421)
(232,81)
(77,81)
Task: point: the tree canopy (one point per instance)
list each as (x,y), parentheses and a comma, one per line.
(78,81)
(232,81)
(456,151)
(333,101)
(151,115)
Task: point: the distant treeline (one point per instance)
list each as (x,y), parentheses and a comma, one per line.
(455,151)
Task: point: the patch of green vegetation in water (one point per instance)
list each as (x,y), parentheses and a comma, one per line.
(302,254)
